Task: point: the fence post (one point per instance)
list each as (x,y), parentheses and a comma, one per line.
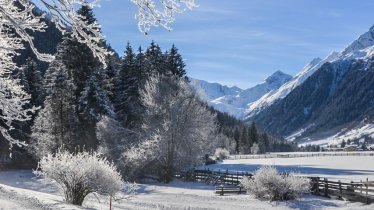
(361,187)
(237,177)
(340,190)
(326,187)
(367,185)
(110,203)
(221,190)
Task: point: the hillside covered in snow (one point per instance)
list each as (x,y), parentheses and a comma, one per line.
(327,100)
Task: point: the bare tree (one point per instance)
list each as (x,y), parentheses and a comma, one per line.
(179,127)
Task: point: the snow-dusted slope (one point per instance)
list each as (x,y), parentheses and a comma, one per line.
(361,48)
(269,98)
(234,100)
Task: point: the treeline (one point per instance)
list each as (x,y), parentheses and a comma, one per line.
(240,138)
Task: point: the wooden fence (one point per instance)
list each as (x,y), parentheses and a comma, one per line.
(352,191)
(214,177)
(304,154)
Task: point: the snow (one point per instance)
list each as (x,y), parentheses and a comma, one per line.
(271,97)
(344,134)
(344,168)
(20,190)
(361,48)
(234,100)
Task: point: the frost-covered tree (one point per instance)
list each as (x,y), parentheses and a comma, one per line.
(17,19)
(57,122)
(81,173)
(93,103)
(114,139)
(178,127)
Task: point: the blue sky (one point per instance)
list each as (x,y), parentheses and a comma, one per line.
(241,42)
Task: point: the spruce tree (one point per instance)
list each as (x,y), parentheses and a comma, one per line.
(127,85)
(57,122)
(155,60)
(174,64)
(93,104)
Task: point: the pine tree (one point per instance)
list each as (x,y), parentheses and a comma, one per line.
(127,89)
(237,140)
(253,134)
(244,146)
(111,73)
(32,81)
(57,122)
(155,60)
(174,63)
(93,104)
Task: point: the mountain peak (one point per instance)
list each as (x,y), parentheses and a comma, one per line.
(362,42)
(278,76)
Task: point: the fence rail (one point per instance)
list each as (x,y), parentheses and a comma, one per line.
(352,191)
(296,155)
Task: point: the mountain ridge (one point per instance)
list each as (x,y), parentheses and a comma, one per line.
(234,100)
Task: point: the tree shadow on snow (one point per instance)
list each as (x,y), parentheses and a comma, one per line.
(311,202)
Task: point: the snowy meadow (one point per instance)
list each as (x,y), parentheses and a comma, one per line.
(83,126)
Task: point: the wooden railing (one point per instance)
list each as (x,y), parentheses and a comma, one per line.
(300,154)
(214,177)
(352,191)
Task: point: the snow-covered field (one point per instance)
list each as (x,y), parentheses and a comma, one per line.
(344,168)
(21,190)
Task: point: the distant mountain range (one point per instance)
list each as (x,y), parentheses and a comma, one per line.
(234,100)
(330,100)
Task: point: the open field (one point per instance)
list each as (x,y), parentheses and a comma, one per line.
(22,190)
(19,190)
(344,168)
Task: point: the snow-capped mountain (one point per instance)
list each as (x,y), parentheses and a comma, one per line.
(234,100)
(337,94)
(362,48)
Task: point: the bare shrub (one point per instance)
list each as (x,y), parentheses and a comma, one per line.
(221,153)
(268,184)
(80,174)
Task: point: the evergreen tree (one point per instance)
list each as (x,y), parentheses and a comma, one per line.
(174,63)
(253,134)
(244,146)
(154,60)
(237,139)
(111,73)
(32,80)
(57,122)
(93,105)
(127,98)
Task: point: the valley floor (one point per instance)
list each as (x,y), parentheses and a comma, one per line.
(21,190)
(344,168)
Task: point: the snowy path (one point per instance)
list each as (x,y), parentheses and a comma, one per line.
(19,190)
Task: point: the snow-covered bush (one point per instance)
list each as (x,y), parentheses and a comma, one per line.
(268,184)
(221,153)
(255,149)
(80,174)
